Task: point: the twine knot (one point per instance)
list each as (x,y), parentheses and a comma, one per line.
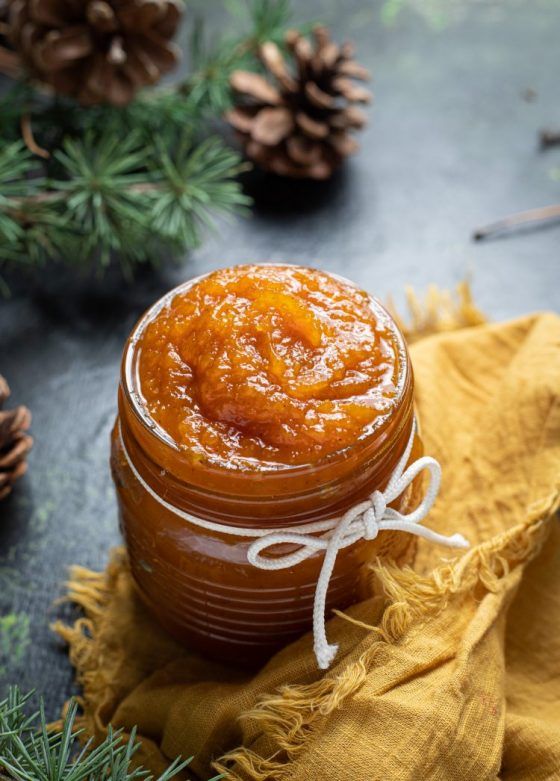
(373,514)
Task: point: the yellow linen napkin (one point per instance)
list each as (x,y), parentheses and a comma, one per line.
(454,673)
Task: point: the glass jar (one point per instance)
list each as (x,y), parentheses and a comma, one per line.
(199,583)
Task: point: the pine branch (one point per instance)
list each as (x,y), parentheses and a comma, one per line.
(29,751)
(106,196)
(135,182)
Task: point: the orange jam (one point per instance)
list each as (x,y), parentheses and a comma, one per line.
(260,367)
(263,397)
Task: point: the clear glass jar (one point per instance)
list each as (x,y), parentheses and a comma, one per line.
(198,583)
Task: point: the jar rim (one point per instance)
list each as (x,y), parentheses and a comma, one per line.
(131,386)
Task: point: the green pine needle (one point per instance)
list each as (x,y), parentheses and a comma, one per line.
(29,751)
(208,87)
(269,18)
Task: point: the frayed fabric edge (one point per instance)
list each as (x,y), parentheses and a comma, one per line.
(438,311)
(92,592)
(289,717)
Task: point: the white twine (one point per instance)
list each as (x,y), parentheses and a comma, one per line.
(364,521)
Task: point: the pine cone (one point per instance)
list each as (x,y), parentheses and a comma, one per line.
(97,51)
(15,444)
(298,123)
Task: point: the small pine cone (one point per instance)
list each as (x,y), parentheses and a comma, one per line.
(298,122)
(97,51)
(15,443)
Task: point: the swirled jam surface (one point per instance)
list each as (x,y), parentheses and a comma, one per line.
(257,367)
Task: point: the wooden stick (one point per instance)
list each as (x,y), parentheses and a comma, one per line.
(542,215)
(29,138)
(549,138)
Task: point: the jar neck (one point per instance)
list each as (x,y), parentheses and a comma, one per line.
(274,498)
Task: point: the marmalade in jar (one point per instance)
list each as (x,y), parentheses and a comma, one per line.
(260,396)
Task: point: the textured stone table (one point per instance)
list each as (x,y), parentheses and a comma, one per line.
(462,89)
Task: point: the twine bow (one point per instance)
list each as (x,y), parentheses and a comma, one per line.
(364,521)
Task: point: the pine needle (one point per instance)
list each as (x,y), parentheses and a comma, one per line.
(30,751)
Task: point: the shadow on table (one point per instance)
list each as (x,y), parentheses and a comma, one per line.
(84,299)
(278,195)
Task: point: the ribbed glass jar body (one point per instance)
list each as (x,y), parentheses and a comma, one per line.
(199,583)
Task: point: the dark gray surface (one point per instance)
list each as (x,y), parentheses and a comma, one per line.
(452,144)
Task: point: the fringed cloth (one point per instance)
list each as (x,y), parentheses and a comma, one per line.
(451,672)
